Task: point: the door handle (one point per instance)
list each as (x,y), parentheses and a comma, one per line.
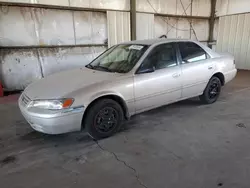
(210,67)
(176,75)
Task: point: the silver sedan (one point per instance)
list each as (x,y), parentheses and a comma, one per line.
(125,80)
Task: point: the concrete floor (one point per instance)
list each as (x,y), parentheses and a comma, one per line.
(184,145)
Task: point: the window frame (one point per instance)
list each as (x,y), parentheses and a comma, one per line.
(180,56)
(178,62)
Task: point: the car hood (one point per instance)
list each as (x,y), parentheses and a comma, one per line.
(60,84)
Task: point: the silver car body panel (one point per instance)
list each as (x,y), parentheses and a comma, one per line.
(140,92)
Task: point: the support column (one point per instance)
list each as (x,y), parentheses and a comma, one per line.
(211,23)
(133,19)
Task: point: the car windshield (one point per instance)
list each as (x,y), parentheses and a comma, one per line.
(120,58)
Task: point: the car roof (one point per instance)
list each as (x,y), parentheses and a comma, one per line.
(156,41)
(166,40)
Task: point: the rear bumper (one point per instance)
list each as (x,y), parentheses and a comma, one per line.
(54,123)
(230,75)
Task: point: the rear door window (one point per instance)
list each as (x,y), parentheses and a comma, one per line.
(191,52)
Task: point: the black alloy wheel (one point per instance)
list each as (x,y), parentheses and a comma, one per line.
(103,119)
(106,120)
(212,91)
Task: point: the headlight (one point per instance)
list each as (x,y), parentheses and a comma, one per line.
(52,104)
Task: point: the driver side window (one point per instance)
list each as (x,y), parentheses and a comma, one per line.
(162,56)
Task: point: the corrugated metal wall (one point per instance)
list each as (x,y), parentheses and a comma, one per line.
(36,28)
(20,67)
(41,41)
(98,4)
(45,27)
(174,7)
(234,37)
(151,26)
(51,39)
(145,26)
(228,7)
(180,28)
(118,27)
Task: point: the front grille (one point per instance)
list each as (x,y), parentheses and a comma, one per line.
(25,100)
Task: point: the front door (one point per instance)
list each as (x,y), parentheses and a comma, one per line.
(158,80)
(197,68)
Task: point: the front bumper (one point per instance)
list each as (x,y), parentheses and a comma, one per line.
(53,122)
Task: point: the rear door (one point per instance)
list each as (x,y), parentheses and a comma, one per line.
(197,68)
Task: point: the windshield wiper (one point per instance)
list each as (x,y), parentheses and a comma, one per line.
(102,68)
(89,66)
(98,67)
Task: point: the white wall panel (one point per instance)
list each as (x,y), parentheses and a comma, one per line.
(238,6)
(228,7)
(80,3)
(111,4)
(38,26)
(145,26)
(172,27)
(234,38)
(51,2)
(165,26)
(19,68)
(159,6)
(220,34)
(183,7)
(238,40)
(54,27)
(183,29)
(216,27)
(243,61)
(16,1)
(201,28)
(48,2)
(90,27)
(99,4)
(199,7)
(118,27)
(232,34)
(61,59)
(28,26)
(102,4)
(221,7)
(15,20)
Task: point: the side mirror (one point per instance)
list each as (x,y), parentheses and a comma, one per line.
(146,70)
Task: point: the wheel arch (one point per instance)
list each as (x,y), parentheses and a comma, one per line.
(114,97)
(221,77)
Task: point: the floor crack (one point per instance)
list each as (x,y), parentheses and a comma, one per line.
(123,162)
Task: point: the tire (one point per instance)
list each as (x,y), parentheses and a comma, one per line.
(104,119)
(212,91)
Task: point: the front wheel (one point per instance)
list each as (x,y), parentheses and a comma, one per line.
(212,91)
(104,118)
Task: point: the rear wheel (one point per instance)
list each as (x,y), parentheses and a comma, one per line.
(212,91)
(104,119)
